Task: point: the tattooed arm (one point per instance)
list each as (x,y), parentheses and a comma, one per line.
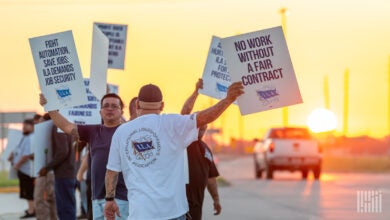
(111,208)
(111,180)
(208,115)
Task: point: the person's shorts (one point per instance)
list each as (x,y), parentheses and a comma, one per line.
(26,185)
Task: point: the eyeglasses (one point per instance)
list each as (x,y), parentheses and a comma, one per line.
(107,106)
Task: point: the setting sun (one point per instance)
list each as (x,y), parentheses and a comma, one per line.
(168,42)
(321,120)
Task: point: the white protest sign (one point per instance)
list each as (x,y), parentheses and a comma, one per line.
(216,79)
(41,144)
(13,139)
(111,88)
(99,64)
(84,114)
(261,61)
(117,35)
(58,70)
(12,174)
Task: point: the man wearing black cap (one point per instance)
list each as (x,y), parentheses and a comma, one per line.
(149,150)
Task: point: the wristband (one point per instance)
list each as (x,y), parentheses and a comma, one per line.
(109,198)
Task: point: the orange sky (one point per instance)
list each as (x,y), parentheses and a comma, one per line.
(168,43)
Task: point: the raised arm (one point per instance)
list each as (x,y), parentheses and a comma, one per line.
(210,114)
(189,104)
(59,120)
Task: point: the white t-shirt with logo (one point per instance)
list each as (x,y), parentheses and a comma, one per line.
(149,151)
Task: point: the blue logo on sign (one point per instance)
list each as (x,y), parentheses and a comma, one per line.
(63,92)
(267,94)
(143,146)
(221,88)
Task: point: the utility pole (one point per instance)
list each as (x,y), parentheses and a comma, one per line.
(326,93)
(388,97)
(283,12)
(346,100)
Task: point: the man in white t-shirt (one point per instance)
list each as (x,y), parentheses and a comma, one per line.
(149,151)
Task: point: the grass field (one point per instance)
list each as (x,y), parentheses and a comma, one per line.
(5,182)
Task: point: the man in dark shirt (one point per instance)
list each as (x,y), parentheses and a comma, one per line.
(202,172)
(99,139)
(63,164)
(202,169)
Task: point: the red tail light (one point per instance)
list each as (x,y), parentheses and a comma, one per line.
(271,147)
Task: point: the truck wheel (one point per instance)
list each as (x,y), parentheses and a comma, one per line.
(317,172)
(270,172)
(304,173)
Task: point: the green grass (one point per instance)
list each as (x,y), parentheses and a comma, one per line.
(370,164)
(5,182)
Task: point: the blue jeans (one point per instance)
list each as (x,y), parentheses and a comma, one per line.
(98,209)
(65,198)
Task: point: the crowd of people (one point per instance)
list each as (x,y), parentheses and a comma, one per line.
(51,194)
(125,169)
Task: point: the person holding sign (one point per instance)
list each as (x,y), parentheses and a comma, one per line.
(202,169)
(44,192)
(99,139)
(149,150)
(62,162)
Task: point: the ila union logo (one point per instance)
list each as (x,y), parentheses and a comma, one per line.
(143,147)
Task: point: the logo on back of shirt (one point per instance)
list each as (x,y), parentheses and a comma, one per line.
(143,147)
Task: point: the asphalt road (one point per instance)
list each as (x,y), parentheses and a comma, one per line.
(335,196)
(287,196)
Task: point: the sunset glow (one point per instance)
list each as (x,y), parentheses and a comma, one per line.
(321,120)
(168,41)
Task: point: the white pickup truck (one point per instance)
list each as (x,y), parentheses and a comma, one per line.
(287,148)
